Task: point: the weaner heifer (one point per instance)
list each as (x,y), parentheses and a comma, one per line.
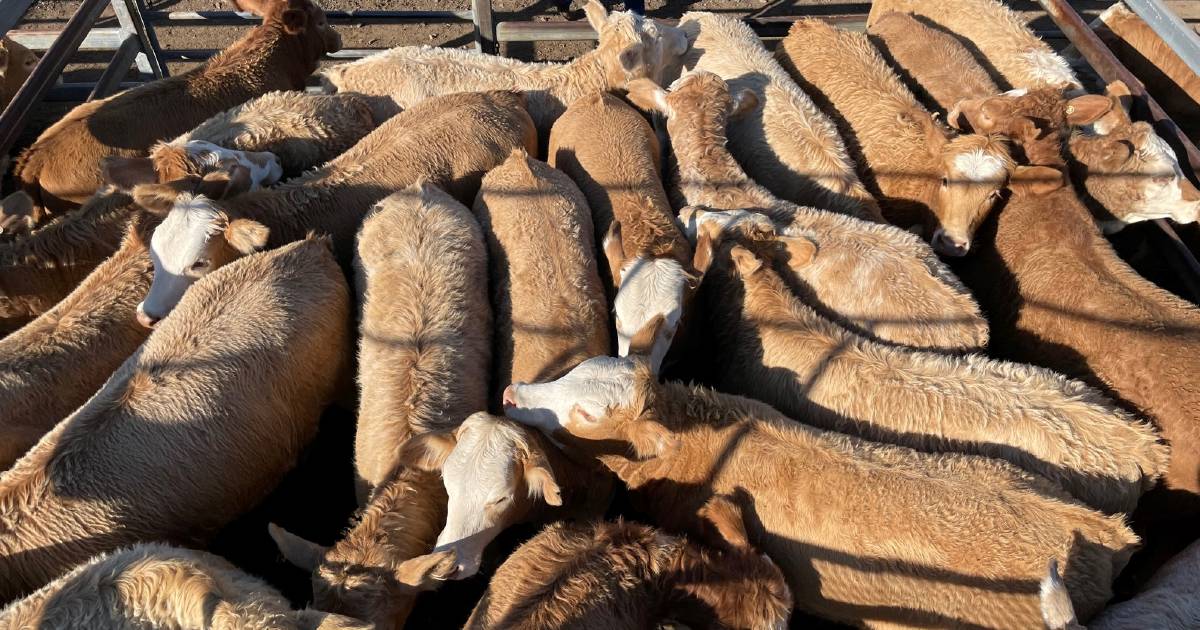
(996,35)
(193,429)
(876,279)
(601,576)
(157,587)
(766,344)
(933,63)
(16,63)
(1062,298)
(450,141)
(62,168)
(52,365)
(787,144)
(547,299)
(922,174)
(630,47)
(611,153)
(301,130)
(424,354)
(880,536)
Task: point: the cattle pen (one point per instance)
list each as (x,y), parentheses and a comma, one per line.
(137,55)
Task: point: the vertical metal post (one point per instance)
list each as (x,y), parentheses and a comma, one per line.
(110,80)
(129,16)
(485,26)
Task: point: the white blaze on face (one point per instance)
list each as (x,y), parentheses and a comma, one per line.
(481,479)
(1049,69)
(595,385)
(179,249)
(649,287)
(977,166)
(264,166)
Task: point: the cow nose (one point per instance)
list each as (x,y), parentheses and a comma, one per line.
(510,397)
(144,319)
(951,246)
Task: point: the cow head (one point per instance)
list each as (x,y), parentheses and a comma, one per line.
(367,592)
(652,294)
(196,236)
(300,19)
(16,63)
(974,169)
(176,160)
(596,402)
(634,47)
(494,470)
(1128,168)
(696,100)
(18,213)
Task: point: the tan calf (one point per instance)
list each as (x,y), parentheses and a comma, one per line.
(16,63)
(193,429)
(376,570)
(997,36)
(450,141)
(498,473)
(933,63)
(612,154)
(630,47)
(62,168)
(156,587)
(876,279)
(787,144)
(879,536)
(921,174)
(625,575)
(766,344)
(425,345)
(547,299)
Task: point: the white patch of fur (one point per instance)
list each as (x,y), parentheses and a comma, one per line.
(1049,69)
(1016,92)
(175,246)
(693,219)
(480,470)
(264,166)
(595,385)
(978,166)
(649,288)
(1163,200)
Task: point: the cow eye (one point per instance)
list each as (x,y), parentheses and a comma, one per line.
(200,265)
(945,181)
(497,502)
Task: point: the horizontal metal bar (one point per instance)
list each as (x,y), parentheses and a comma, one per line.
(97,39)
(79,92)
(358,17)
(197,54)
(46,72)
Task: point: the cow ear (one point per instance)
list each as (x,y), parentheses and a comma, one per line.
(303,553)
(597,15)
(426,573)
(648,96)
(294,21)
(539,478)
(705,252)
(222,185)
(744,260)
(1120,92)
(156,198)
(726,518)
(427,451)
(642,343)
(246,235)
(800,250)
(1038,180)
(650,439)
(127,172)
(614,251)
(1087,109)
(744,102)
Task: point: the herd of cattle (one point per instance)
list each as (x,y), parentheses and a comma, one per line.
(529,274)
